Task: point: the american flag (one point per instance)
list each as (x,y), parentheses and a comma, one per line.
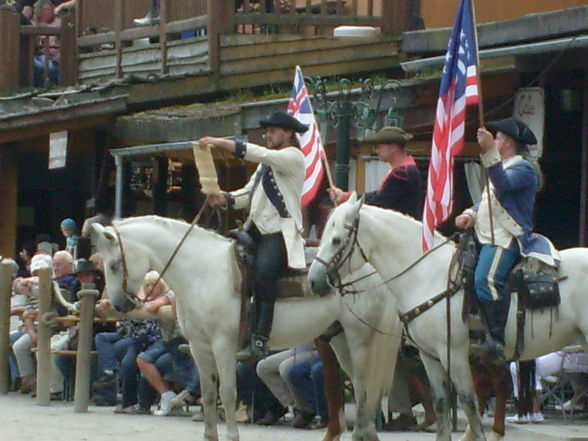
(459,88)
(310,141)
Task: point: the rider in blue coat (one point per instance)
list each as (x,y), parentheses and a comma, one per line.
(513,185)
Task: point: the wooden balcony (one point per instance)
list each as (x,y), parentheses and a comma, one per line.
(201,47)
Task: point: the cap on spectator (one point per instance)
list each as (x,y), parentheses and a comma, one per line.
(85,266)
(68,223)
(40,261)
(46,247)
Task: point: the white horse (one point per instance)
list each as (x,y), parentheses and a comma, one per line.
(206,279)
(390,242)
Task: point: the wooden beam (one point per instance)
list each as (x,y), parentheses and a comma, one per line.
(8,202)
(304,20)
(163,35)
(118,20)
(68,63)
(9,49)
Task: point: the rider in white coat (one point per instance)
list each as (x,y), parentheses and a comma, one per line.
(275,217)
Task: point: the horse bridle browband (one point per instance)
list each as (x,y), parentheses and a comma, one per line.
(343,255)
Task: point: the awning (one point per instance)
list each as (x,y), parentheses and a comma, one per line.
(580,41)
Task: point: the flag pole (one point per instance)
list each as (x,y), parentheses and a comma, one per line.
(482,119)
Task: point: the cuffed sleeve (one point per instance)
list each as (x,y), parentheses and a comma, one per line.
(240,149)
(490,157)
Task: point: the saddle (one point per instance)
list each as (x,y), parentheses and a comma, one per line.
(535,284)
(292,283)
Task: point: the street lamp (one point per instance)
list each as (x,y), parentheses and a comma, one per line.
(346,106)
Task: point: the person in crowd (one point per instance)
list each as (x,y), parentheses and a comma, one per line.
(508,235)
(48,54)
(118,351)
(254,394)
(102,214)
(65,6)
(275,216)
(24,341)
(307,379)
(69,230)
(274,371)
(410,386)
(400,189)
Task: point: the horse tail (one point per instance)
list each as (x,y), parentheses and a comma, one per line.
(382,353)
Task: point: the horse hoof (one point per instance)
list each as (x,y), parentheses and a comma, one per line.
(468,435)
(494,436)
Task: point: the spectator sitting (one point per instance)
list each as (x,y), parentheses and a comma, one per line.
(273,371)
(27,339)
(250,388)
(68,228)
(308,380)
(44,15)
(118,351)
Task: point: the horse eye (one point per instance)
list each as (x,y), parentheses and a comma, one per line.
(113,267)
(336,241)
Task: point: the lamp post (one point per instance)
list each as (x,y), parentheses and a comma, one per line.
(347,106)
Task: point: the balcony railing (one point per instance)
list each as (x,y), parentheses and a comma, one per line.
(107,26)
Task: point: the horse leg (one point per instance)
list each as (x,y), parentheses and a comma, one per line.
(500,384)
(224,354)
(483,388)
(462,379)
(333,391)
(354,364)
(438,378)
(208,385)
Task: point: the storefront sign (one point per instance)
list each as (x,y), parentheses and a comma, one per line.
(529,107)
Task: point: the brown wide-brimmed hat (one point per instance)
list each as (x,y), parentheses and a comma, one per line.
(388,134)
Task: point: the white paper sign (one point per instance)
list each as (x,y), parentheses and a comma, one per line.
(57,149)
(529,107)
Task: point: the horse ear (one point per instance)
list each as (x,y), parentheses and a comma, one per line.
(352,199)
(98,230)
(356,205)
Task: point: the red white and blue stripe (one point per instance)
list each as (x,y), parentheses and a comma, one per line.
(310,141)
(459,89)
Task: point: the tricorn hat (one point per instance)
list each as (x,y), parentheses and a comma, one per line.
(515,128)
(284,121)
(85,266)
(388,134)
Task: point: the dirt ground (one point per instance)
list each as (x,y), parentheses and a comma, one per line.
(22,420)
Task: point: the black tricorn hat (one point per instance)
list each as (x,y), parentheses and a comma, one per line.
(516,129)
(284,121)
(85,266)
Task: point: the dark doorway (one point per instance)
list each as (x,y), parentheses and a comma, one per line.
(558,203)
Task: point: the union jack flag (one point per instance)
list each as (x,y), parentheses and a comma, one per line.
(310,141)
(459,89)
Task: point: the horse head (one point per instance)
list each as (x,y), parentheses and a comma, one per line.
(125,266)
(339,253)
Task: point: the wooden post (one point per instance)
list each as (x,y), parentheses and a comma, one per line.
(118,21)
(5,292)
(88,296)
(9,48)
(159,185)
(163,35)
(396,16)
(68,64)
(44,338)
(221,15)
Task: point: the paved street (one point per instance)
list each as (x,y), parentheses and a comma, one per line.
(22,420)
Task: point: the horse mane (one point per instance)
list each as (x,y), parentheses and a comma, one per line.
(177,225)
(386,213)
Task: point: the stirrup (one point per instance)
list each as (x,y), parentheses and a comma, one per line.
(255,351)
(490,352)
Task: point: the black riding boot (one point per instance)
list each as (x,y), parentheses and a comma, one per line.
(494,316)
(258,350)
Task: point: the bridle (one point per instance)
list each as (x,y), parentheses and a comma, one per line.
(343,255)
(131,297)
(345,252)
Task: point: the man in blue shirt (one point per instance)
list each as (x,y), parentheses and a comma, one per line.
(513,186)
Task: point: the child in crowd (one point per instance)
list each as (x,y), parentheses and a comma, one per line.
(69,230)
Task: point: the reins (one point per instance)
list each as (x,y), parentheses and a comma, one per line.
(132,297)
